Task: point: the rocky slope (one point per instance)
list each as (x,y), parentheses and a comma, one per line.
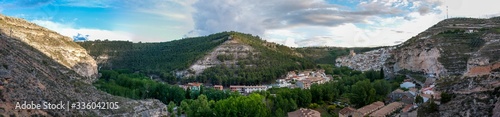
(459,46)
(228,53)
(28,74)
(473,96)
(371,60)
(62,49)
(462,52)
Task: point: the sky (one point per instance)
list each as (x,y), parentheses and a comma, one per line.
(294,23)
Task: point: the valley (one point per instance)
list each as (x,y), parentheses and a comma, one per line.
(454,63)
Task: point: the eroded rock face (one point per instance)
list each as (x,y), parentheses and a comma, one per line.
(455,47)
(486,58)
(371,60)
(58,47)
(419,60)
(26,74)
(232,50)
(474,96)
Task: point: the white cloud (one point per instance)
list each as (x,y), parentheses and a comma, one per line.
(471,8)
(94,34)
(382,30)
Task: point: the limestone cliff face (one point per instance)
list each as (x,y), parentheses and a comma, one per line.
(60,48)
(464,53)
(27,74)
(371,60)
(228,53)
(458,46)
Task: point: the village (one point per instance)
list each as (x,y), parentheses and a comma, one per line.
(401,102)
(302,80)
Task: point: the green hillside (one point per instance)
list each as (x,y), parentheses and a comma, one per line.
(152,58)
(272,62)
(165,58)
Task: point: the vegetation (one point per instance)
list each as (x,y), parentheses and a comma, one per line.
(446,97)
(154,58)
(272,62)
(351,87)
(451,39)
(163,59)
(137,86)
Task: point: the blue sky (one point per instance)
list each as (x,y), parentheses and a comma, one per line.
(295,23)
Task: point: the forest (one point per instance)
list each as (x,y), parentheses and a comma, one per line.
(273,62)
(152,58)
(162,60)
(349,87)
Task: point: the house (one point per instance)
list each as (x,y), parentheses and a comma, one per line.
(349,112)
(307,82)
(194,86)
(282,83)
(431,94)
(413,91)
(429,81)
(365,110)
(304,84)
(407,85)
(387,110)
(303,112)
(218,87)
(247,89)
(408,98)
(400,95)
(407,108)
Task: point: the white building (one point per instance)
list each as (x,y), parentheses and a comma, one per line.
(247,89)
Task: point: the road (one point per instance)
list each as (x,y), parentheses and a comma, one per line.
(418,82)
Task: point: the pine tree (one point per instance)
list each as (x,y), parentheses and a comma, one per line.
(382,75)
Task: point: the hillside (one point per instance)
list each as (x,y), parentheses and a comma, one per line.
(231,58)
(463,53)
(247,59)
(64,50)
(29,72)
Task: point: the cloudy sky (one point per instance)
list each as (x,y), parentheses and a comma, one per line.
(295,23)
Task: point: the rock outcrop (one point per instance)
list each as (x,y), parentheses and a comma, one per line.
(371,60)
(58,47)
(228,53)
(29,74)
(459,46)
(462,52)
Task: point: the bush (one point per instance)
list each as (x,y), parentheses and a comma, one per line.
(313,105)
(446,97)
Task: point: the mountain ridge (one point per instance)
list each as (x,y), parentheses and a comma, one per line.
(243,52)
(27,73)
(461,53)
(64,50)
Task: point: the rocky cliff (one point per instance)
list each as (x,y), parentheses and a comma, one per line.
(459,46)
(60,48)
(29,74)
(228,54)
(462,52)
(371,60)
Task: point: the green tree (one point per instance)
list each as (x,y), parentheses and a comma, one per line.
(382,75)
(170,108)
(419,99)
(331,109)
(446,97)
(362,93)
(279,113)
